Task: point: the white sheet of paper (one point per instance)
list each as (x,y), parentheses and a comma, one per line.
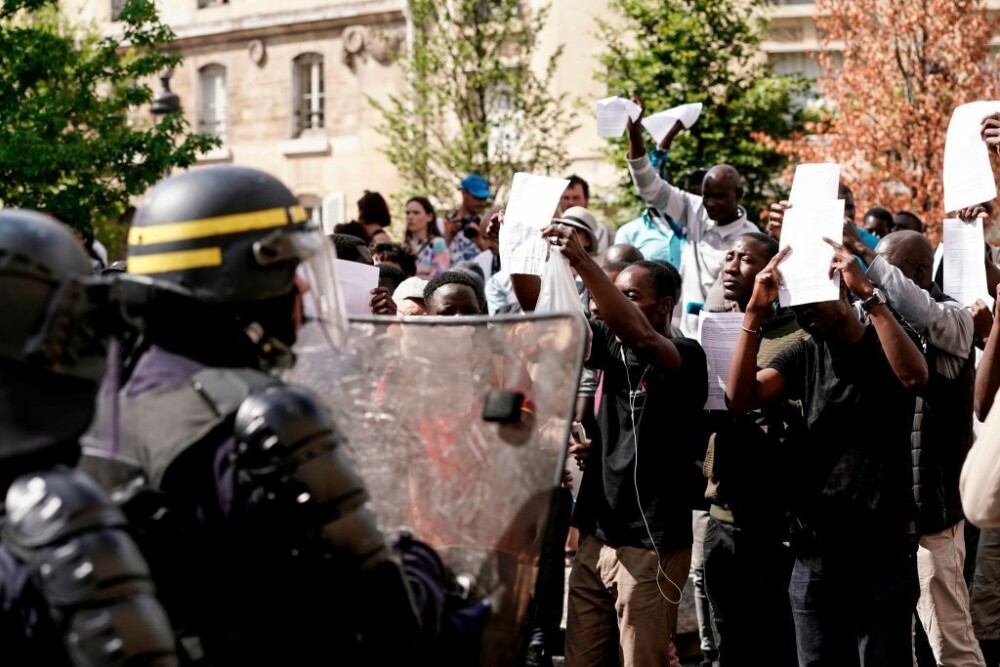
(718,334)
(356,283)
(658,124)
(613,114)
(814,182)
(964,266)
(485,262)
(531,206)
(806,269)
(968,177)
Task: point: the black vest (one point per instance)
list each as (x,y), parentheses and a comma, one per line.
(941,438)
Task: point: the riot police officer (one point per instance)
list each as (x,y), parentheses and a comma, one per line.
(252,517)
(74,587)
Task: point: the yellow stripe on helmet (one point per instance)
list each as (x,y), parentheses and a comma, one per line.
(223,224)
(174,261)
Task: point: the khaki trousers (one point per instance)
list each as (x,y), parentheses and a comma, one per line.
(943,606)
(617,614)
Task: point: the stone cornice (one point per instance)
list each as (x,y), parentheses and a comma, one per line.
(369,12)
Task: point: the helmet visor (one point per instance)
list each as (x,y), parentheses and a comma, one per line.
(316,277)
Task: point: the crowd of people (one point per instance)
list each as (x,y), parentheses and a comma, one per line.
(828,525)
(171,500)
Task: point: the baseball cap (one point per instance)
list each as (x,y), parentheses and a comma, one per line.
(411,288)
(581,218)
(477,186)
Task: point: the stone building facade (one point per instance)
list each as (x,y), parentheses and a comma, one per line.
(285,83)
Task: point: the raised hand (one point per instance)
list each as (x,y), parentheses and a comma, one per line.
(775,216)
(493,225)
(850,271)
(970,213)
(989,130)
(565,238)
(381,302)
(767,282)
(982,319)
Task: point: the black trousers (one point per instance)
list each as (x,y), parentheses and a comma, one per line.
(746,578)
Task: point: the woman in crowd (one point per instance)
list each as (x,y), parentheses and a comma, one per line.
(424,238)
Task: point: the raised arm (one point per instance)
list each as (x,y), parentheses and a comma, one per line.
(653,190)
(906,360)
(746,387)
(947,325)
(621,316)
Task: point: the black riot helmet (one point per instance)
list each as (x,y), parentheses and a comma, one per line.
(208,230)
(232,238)
(52,356)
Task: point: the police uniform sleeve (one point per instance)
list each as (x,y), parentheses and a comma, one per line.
(301,486)
(88,569)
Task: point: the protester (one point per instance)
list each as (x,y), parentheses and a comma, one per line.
(710,222)
(577,194)
(461,226)
(902,265)
(635,521)
(746,565)
(854,582)
(424,239)
(374,216)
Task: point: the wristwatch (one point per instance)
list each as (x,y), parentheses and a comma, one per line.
(877,297)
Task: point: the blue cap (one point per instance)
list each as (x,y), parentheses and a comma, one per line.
(477,186)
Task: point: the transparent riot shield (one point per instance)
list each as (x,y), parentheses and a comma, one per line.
(459,427)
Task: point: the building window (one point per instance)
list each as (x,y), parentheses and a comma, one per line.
(308,82)
(211,3)
(313,206)
(212,109)
(496,10)
(504,121)
(116,9)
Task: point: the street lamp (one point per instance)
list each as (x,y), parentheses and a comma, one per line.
(166,101)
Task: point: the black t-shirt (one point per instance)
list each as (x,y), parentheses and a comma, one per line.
(667,412)
(852,473)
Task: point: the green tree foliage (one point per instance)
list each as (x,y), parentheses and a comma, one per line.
(669,52)
(70,137)
(473,103)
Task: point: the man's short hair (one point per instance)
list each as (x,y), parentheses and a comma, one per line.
(390,277)
(576,180)
(770,245)
(352,228)
(455,278)
(879,213)
(397,253)
(616,267)
(471,267)
(693,178)
(666,278)
(919,226)
(349,247)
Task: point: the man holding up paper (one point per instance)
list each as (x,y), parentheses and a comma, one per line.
(711,222)
(746,565)
(854,583)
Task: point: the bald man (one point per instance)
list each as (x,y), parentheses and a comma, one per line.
(710,222)
(903,267)
(622,252)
